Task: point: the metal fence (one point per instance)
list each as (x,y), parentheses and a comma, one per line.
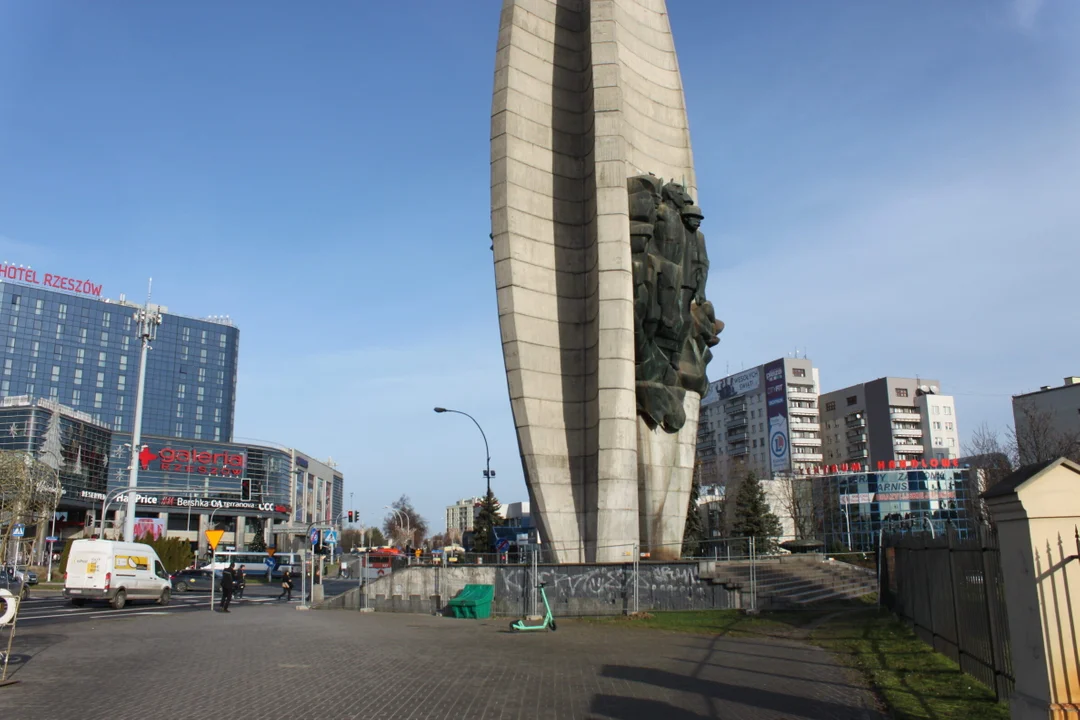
(951,590)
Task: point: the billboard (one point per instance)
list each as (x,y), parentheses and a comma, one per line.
(738,384)
(777,414)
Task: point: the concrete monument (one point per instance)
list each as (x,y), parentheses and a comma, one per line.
(600,272)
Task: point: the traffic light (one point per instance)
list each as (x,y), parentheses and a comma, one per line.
(245,489)
(350,516)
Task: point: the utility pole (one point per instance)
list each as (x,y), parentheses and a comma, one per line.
(146,324)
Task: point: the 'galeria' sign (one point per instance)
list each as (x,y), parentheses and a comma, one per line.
(193,460)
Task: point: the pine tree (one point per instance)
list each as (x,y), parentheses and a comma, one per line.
(753,517)
(694,529)
(487,519)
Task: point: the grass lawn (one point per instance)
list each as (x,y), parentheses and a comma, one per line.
(915,682)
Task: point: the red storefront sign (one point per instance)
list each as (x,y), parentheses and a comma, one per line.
(933,464)
(193,460)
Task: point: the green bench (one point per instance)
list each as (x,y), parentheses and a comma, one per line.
(473,602)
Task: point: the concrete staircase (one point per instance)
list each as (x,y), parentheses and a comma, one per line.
(793,580)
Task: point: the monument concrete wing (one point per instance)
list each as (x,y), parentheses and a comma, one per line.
(605,342)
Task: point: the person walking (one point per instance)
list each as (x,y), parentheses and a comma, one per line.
(286,586)
(240,582)
(226,588)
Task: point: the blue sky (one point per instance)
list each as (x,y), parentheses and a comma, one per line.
(889,186)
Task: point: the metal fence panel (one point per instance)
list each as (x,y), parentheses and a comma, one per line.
(950,589)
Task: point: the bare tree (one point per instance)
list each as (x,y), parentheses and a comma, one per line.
(991,459)
(796,499)
(410,529)
(1038,438)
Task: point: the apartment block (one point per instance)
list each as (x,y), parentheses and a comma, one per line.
(889,419)
(1048,420)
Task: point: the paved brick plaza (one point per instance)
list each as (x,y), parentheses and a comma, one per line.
(269,661)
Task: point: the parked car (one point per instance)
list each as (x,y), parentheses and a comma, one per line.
(191,579)
(13,585)
(25,574)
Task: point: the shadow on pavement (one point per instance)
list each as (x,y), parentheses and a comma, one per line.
(25,647)
(627,708)
(775,701)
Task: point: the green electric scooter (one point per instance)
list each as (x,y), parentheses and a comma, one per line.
(549,619)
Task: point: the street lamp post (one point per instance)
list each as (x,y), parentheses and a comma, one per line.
(488,472)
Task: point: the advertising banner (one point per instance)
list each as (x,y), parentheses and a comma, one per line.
(152,527)
(777,414)
(192,460)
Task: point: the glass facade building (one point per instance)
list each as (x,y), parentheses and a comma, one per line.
(82,352)
(854,507)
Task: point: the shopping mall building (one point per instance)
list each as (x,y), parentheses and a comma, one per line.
(67,398)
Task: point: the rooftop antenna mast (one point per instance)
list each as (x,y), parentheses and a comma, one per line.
(146,324)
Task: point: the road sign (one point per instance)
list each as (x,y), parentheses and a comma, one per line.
(18,531)
(52,538)
(419,552)
(214,537)
(270,562)
(271,550)
(503,545)
(314,536)
(329,537)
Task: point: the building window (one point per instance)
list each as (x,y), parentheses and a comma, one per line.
(937,425)
(106,320)
(179,429)
(202,375)
(123,363)
(59,331)
(61,312)
(104,338)
(101,379)
(198,412)
(15,299)
(830,406)
(947,409)
(82,335)
(118,422)
(80,355)
(97,399)
(58,352)
(202,356)
(901,392)
(221,377)
(76,396)
(29,388)
(5,387)
(33,371)
(203,337)
(186,334)
(200,393)
(125,342)
(181,389)
(78,376)
(217,434)
(101,359)
(852,399)
(179,410)
(221,341)
(127,324)
(952,442)
(55,371)
(35,348)
(948,426)
(220,395)
(798,372)
(54,394)
(183,352)
(221,358)
(217,415)
(120,403)
(121,383)
(934,409)
(39,306)
(11,345)
(198,431)
(14,322)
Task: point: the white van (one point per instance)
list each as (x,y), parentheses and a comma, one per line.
(115,572)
